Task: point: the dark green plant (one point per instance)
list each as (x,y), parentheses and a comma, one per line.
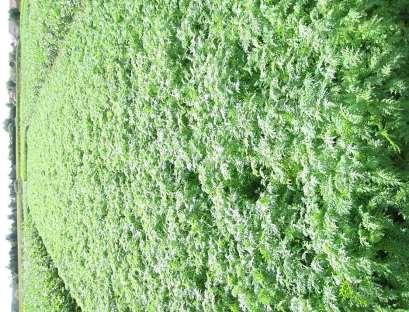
(14,15)
(11,85)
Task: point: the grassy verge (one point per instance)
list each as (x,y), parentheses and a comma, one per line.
(19,179)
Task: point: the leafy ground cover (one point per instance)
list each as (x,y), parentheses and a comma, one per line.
(43,288)
(40,287)
(224,155)
(44,25)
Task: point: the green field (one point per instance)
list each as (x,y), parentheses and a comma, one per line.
(215,155)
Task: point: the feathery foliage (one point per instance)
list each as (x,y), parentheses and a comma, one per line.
(223,155)
(43,288)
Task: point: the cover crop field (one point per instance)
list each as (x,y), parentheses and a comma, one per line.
(215,155)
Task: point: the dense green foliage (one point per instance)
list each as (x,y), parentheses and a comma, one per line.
(222,155)
(14,15)
(10,127)
(44,25)
(43,290)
